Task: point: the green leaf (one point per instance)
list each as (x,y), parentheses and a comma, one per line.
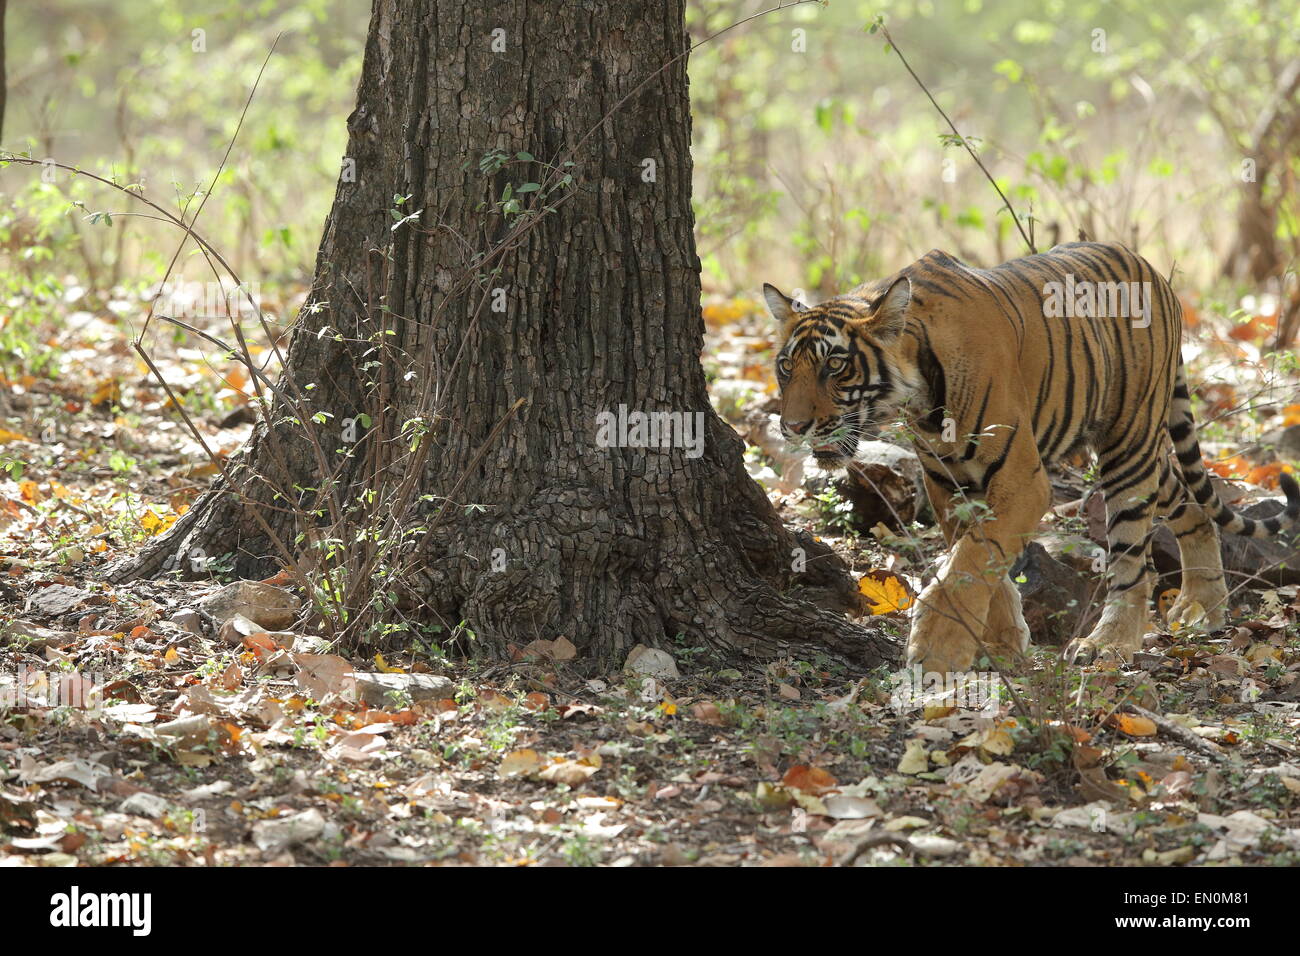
(1012,70)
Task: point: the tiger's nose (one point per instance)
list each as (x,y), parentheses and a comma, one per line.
(798,428)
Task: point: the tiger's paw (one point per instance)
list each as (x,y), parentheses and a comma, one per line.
(938,643)
(1117,635)
(1006,634)
(1203,602)
(1114,642)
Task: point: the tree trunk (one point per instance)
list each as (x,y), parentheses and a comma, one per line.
(594,307)
(1255,252)
(4,86)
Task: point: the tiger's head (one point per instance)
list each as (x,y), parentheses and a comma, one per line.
(841,367)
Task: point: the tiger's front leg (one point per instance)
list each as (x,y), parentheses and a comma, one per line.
(968,605)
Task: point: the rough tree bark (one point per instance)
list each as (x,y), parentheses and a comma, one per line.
(609,547)
(1255,252)
(4,87)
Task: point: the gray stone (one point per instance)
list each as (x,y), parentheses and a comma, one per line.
(239,627)
(59,599)
(274,836)
(32,637)
(929,844)
(1261,562)
(1073,550)
(193,729)
(651,662)
(375,689)
(274,609)
(144,804)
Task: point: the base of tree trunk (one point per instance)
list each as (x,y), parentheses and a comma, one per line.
(566,568)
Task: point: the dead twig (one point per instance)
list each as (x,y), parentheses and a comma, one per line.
(874,839)
(1184,736)
(879,25)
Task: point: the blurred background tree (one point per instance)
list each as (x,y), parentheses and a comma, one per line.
(1171,125)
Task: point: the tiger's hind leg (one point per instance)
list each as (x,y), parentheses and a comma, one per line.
(1129,483)
(1204,593)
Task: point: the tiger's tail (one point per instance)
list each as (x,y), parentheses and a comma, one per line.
(1182,429)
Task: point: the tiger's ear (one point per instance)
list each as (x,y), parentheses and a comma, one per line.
(890,315)
(781,307)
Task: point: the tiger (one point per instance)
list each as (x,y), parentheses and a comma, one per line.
(998,374)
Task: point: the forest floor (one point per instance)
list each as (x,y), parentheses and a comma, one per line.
(134,733)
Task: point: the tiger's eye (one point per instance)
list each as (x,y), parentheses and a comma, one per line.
(783,366)
(835,365)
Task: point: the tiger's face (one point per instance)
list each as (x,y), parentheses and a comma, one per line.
(839,367)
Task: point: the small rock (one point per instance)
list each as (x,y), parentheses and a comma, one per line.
(301,643)
(59,599)
(376,688)
(274,609)
(1174,857)
(1097,816)
(32,637)
(144,804)
(929,844)
(275,836)
(194,728)
(206,791)
(1074,551)
(650,662)
(842,807)
(239,627)
(906,823)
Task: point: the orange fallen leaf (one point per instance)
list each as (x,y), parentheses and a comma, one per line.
(1229,467)
(7,436)
(1253,328)
(260,644)
(1266,476)
(808,779)
(1134,725)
